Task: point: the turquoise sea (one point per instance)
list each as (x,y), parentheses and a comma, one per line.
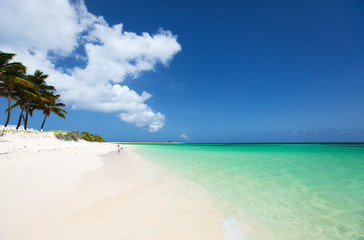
(276,191)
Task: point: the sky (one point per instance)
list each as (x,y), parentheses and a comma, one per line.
(196,71)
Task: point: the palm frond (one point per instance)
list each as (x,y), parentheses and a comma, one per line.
(20,81)
(26,95)
(3,93)
(5,58)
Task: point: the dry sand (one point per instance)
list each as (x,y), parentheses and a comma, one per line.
(50,189)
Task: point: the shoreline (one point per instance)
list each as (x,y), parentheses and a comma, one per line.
(68,190)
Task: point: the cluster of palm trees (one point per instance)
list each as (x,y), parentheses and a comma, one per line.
(30,92)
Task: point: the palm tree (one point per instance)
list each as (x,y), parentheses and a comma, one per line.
(29,112)
(53,106)
(46,100)
(4,62)
(23,99)
(44,92)
(11,79)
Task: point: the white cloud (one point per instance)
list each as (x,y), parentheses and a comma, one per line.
(144,118)
(184,136)
(44,31)
(40,25)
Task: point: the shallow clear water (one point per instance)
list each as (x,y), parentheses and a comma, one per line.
(277,191)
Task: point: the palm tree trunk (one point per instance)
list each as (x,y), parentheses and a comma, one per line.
(21,116)
(41,128)
(26,120)
(9,109)
(26,117)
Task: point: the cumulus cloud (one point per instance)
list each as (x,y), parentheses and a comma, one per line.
(44,32)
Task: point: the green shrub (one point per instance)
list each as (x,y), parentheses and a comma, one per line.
(74,136)
(60,136)
(69,136)
(91,137)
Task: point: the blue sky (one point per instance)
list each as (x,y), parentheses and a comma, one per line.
(232,71)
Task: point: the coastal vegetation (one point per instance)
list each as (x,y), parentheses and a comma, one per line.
(90,137)
(75,136)
(68,136)
(29,92)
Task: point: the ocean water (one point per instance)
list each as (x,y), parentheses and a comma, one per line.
(276,191)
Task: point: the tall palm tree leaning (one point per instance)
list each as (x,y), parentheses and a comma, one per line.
(52,106)
(23,98)
(11,79)
(41,93)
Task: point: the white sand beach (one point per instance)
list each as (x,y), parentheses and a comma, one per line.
(52,189)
